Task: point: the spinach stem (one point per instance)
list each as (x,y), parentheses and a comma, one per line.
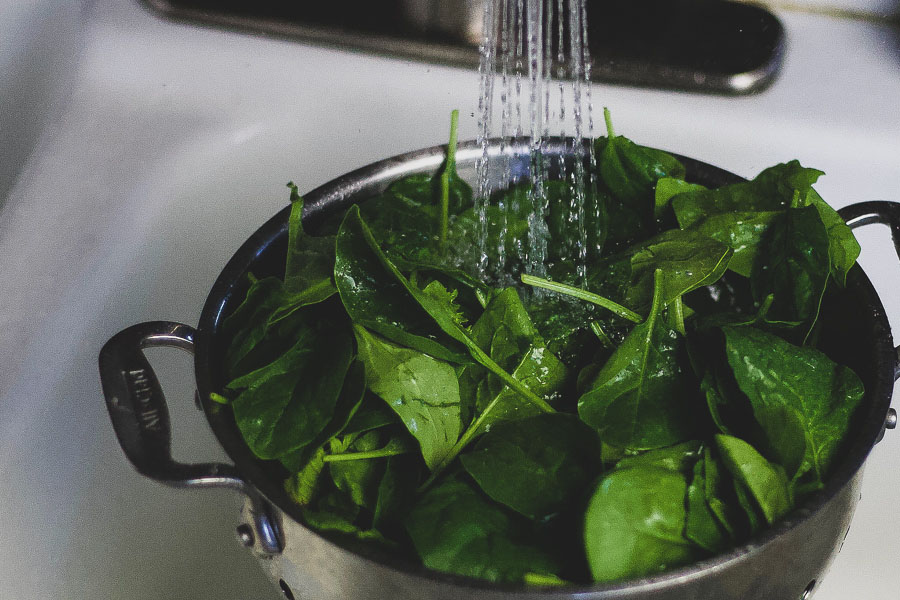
(475,428)
(679,315)
(452,329)
(601,335)
(608,118)
(764,309)
(383,452)
(219,398)
(569,290)
(449,168)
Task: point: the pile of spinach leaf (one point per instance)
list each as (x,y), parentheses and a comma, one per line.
(663,409)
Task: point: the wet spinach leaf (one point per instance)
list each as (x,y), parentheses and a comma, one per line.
(667,188)
(688,260)
(701,525)
(456,529)
(634,524)
(642,397)
(794,390)
(793,266)
(423,391)
(537,465)
(766,482)
(309,267)
(284,405)
(375,298)
(680,458)
(630,173)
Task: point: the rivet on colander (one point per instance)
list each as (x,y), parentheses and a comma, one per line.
(245,535)
(890,421)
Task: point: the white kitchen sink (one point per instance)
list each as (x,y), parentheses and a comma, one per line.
(176,142)
(39,44)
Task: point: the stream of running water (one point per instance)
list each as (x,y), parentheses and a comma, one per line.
(535,74)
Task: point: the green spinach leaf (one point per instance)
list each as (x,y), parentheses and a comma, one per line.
(536,466)
(680,458)
(702,526)
(423,391)
(358,479)
(455,529)
(766,481)
(793,265)
(794,391)
(287,403)
(688,260)
(634,524)
(375,298)
(642,397)
(309,267)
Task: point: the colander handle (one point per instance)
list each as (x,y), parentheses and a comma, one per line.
(885,213)
(140,418)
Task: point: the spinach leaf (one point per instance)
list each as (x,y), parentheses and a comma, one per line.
(424,190)
(680,458)
(793,265)
(739,214)
(505,331)
(338,518)
(375,298)
(667,188)
(440,305)
(309,267)
(766,481)
(248,325)
(308,280)
(285,404)
(634,524)
(358,479)
(630,172)
(390,216)
(536,465)
(540,372)
(396,494)
(773,190)
(742,231)
(455,529)
(688,260)
(345,411)
(304,483)
(794,390)
(642,397)
(844,249)
(423,391)
(750,507)
(702,526)
(721,499)
(505,309)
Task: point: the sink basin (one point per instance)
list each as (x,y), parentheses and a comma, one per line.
(39,40)
(177,144)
